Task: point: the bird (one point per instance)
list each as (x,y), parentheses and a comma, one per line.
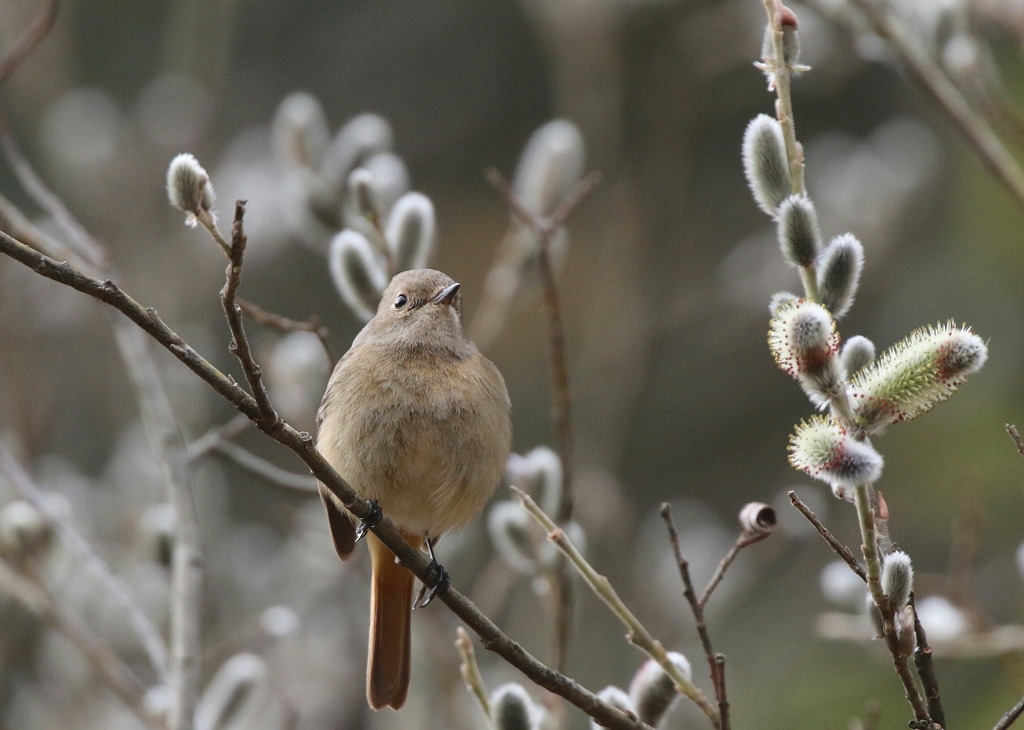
(416,419)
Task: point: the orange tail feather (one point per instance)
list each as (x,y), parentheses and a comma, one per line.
(387,670)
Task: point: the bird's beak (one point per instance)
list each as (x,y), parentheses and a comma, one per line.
(447,295)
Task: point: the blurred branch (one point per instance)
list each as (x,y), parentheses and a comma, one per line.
(546,228)
(283,324)
(1015,435)
(945,93)
(301,444)
(165,439)
(29,39)
(121,592)
(840,549)
(638,634)
(114,673)
(272,473)
(717,670)
(206,443)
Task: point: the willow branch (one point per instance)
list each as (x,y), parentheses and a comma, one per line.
(925,670)
(272,473)
(1010,716)
(301,444)
(284,324)
(638,634)
(29,39)
(206,443)
(470,672)
(841,550)
(744,540)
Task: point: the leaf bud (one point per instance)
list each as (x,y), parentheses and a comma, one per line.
(857,353)
(188,187)
(765,164)
(799,235)
(757,518)
(410,231)
(839,268)
(300,130)
(617,699)
(512,708)
(550,166)
(24,530)
(653,691)
(822,448)
(913,376)
(897,579)
(358,273)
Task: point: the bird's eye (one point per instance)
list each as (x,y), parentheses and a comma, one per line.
(401,301)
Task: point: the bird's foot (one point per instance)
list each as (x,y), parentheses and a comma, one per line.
(427,593)
(370,521)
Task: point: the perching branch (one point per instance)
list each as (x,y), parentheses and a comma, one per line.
(301,444)
(638,634)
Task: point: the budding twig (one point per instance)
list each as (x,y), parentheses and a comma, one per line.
(638,634)
(471,673)
(284,324)
(841,550)
(925,669)
(742,541)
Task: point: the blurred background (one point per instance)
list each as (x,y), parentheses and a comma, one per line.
(665,287)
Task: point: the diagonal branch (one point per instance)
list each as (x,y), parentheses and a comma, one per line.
(29,39)
(301,444)
(840,549)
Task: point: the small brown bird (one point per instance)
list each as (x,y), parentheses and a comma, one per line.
(417,419)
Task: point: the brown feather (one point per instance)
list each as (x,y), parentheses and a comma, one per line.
(343,532)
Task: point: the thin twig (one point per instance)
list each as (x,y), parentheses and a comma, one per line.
(638,634)
(114,673)
(205,443)
(284,324)
(123,595)
(471,673)
(840,549)
(1011,716)
(272,473)
(723,700)
(925,670)
(866,519)
(944,92)
(301,444)
(744,540)
(29,39)
(691,597)
(239,346)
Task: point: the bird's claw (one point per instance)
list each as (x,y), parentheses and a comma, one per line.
(440,584)
(370,521)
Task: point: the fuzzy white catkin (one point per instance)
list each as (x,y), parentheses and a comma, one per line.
(780,300)
(390,179)
(358,273)
(652,689)
(512,532)
(616,698)
(300,130)
(512,708)
(410,231)
(798,231)
(802,336)
(764,162)
(839,268)
(361,137)
(156,532)
(24,529)
(550,166)
(539,474)
(188,186)
(822,448)
(857,353)
(897,579)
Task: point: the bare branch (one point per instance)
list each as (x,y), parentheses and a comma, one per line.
(283,324)
(301,444)
(272,473)
(206,443)
(744,540)
(471,673)
(925,670)
(717,672)
(29,39)
(1015,435)
(1011,716)
(840,549)
(152,642)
